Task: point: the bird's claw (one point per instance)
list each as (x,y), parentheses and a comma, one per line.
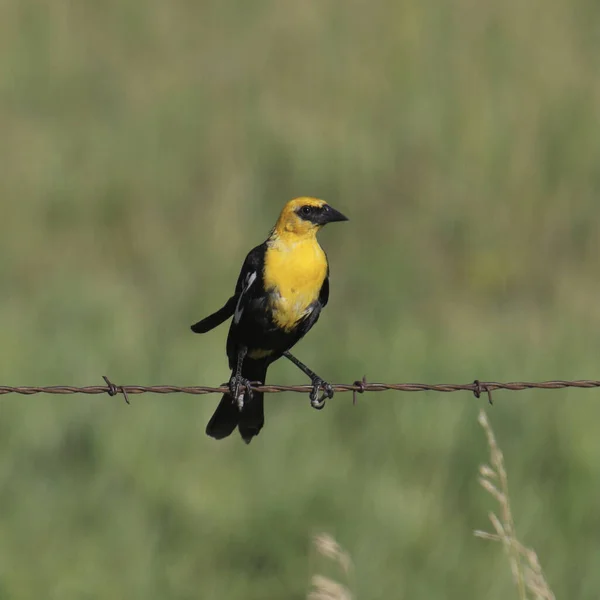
(316,401)
(239,387)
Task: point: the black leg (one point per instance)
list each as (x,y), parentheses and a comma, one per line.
(317,382)
(237,381)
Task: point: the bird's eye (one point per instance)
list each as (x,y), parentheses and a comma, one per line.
(306,210)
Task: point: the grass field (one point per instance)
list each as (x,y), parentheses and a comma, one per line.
(146,146)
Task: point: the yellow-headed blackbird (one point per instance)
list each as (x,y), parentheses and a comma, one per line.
(281,289)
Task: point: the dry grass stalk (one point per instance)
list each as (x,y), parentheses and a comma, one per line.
(325,588)
(526,570)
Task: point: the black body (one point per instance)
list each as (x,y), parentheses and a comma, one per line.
(254,330)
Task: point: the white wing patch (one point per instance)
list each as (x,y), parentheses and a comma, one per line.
(250,279)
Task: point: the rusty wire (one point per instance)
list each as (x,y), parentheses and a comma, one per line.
(477,388)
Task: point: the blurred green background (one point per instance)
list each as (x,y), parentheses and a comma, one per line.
(145,147)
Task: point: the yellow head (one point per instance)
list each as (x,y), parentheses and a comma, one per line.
(304,216)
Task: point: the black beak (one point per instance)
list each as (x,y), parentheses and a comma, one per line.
(330,215)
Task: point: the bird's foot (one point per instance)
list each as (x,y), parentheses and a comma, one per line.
(239,387)
(316,401)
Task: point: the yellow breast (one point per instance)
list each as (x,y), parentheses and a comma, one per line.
(293,276)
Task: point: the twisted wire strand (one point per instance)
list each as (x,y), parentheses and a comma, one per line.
(361,386)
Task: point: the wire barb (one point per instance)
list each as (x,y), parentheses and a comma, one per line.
(478,387)
(113,389)
(361,385)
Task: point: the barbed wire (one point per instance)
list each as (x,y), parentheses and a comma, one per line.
(477,388)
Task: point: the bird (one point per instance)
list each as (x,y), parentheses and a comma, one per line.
(282,287)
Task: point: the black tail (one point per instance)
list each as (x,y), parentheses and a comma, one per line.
(216,318)
(251,418)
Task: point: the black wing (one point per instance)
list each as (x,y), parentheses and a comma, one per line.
(249,285)
(253,264)
(216,318)
(251,269)
(324,293)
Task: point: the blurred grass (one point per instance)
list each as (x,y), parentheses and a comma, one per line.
(145,147)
